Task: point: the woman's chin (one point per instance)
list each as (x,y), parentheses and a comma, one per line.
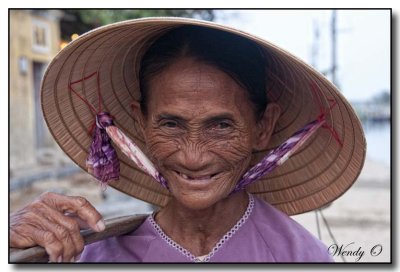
(198,201)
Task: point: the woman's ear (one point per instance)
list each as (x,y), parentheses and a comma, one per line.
(138,115)
(266,125)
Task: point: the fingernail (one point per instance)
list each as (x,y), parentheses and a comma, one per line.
(72,259)
(59,259)
(100,225)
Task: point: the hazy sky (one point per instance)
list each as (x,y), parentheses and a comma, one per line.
(363,42)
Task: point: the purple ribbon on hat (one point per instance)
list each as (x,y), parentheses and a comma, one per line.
(102,161)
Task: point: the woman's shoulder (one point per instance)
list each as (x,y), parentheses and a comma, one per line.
(129,247)
(287,240)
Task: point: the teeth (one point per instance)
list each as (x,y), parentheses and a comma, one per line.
(196,178)
(184,176)
(204,178)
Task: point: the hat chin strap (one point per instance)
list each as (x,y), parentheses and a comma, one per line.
(103,162)
(279,155)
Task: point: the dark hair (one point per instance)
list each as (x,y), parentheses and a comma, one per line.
(240,58)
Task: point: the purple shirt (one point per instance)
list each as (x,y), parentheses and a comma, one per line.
(263,234)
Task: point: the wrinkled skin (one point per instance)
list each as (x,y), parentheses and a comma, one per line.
(200,130)
(54,221)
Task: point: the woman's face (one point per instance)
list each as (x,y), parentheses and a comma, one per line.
(200,131)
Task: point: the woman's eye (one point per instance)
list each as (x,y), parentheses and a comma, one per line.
(222,125)
(169,124)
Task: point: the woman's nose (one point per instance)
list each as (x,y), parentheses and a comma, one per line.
(193,157)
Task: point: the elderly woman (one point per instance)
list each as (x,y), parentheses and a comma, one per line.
(215,110)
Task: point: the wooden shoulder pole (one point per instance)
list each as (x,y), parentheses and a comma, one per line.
(114,227)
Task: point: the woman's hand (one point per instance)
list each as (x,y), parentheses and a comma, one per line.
(54,221)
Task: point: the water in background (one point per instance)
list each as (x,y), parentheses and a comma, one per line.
(377,135)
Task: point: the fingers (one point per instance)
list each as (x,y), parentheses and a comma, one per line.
(54,247)
(58,234)
(20,241)
(77,205)
(66,231)
(44,238)
(44,223)
(82,224)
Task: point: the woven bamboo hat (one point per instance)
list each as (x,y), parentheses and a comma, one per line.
(318,173)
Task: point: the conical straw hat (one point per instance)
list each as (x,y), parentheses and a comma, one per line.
(316,174)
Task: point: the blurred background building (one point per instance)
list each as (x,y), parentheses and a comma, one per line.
(34,40)
(37,164)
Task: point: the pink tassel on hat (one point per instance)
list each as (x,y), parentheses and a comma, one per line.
(133,152)
(103,161)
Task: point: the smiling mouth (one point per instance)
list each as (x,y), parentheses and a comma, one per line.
(196,178)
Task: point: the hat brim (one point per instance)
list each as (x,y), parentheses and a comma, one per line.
(316,174)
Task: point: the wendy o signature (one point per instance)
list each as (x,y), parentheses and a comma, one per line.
(350,250)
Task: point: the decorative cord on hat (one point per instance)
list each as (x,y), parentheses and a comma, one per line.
(280,154)
(103,162)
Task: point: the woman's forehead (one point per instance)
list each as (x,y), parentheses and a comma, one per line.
(189,85)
